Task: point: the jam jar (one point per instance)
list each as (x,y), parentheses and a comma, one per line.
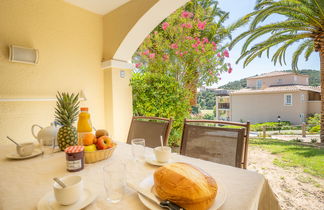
(74,158)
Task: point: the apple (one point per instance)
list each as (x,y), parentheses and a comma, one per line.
(90,148)
(104,142)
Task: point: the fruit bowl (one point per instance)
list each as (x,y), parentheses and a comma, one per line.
(98,155)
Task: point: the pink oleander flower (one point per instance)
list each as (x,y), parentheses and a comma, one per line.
(203,49)
(219,55)
(210,72)
(186,14)
(152,56)
(174,46)
(177,52)
(186,25)
(201,25)
(181,54)
(138,65)
(197,38)
(155,32)
(226,53)
(194,45)
(148,36)
(205,40)
(214,44)
(165,25)
(189,38)
(165,57)
(185,52)
(214,48)
(230,70)
(146,52)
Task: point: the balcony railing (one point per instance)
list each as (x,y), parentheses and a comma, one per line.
(223,105)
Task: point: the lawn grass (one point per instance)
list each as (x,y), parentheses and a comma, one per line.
(291,154)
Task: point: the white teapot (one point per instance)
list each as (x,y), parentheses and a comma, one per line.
(46,135)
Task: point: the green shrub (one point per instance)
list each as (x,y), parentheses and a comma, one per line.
(161,96)
(272,126)
(314,123)
(209,116)
(315,129)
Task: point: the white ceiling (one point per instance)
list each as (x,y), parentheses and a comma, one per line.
(98,6)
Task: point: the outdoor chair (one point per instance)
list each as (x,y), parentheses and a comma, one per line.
(150,129)
(208,140)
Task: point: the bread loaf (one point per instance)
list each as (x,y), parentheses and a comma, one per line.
(185,185)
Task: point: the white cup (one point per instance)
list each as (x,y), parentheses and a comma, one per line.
(71,193)
(25,149)
(162,155)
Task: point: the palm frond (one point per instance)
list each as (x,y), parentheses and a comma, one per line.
(298,52)
(310,49)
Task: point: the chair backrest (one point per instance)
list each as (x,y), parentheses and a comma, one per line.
(150,129)
(221,145)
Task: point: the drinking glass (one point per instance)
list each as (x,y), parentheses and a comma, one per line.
(47,146)
(114,180)
(138,149)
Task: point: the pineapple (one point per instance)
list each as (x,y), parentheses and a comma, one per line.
(66,113)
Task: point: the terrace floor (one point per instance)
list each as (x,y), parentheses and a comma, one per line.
(294,188)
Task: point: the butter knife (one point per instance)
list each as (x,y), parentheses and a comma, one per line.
(164,204)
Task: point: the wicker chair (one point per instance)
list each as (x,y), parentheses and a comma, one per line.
(150,129)
(227,146)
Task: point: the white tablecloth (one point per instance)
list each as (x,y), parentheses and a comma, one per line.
(24,182)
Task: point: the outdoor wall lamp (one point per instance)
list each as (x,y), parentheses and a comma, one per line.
(23,54)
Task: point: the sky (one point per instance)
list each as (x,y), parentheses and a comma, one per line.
(237,9)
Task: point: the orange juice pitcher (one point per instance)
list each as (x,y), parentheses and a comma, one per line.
(84,124)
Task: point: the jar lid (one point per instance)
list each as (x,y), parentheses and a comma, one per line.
(74,149)
(84,109)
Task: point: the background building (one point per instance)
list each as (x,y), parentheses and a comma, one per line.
(270,95)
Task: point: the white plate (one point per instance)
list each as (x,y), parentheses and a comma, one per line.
(48,202)
(148,183)
(15,156)
(152,160)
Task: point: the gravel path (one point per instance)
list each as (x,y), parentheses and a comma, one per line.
(294,188)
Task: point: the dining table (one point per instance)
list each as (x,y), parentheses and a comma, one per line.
(24,182)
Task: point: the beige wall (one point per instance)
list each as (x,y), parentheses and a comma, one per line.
(285,79)
(314,107)
(266,107)
(69,40)
(119,22)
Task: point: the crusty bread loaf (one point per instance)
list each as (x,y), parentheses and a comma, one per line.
(185,185)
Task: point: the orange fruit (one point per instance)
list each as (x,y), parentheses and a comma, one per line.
(88,139)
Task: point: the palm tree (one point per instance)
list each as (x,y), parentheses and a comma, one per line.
(302,23)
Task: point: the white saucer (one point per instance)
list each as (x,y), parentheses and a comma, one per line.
(15,156)
(152,160)
(48,202)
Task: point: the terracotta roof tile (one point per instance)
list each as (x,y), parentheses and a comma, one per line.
(275,73)
(278,89)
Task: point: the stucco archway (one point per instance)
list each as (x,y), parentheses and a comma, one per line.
(124,30)
(130,31)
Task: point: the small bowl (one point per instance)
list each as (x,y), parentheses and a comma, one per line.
(71,193)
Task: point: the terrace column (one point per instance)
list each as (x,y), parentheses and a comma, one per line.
(117,98)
